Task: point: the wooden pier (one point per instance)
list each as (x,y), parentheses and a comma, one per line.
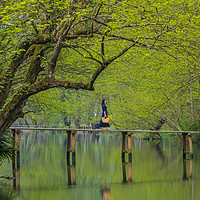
(71,139)
(71,133)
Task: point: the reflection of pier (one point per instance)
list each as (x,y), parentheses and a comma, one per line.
(129,165)
(71,172)
(185,161)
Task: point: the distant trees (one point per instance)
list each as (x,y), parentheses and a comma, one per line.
(46,44)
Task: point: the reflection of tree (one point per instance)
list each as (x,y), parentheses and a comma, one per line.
(159,151)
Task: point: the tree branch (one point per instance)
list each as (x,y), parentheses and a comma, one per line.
(48,83)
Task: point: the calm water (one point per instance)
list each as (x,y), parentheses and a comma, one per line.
(157,170)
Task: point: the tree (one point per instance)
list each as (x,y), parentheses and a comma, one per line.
(46,44)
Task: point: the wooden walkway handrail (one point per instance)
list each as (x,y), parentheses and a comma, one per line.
(99,130)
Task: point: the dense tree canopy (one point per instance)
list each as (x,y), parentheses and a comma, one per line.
(46,44)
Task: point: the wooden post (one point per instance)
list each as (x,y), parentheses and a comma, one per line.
(123,145)
(68,146)
(18,158)
(73,148)
(129,147)
(190,144)
(13,159)
(184,145)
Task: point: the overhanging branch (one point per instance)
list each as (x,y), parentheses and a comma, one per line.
(48,83)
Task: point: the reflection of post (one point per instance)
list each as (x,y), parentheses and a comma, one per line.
(71,172)
(185,169)
(74,174)
(129,172)
(190,176)
(124,172)
(13,159)
(18,159)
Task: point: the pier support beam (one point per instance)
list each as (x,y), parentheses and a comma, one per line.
(16,153)
(184,145)
(71,146)
(129,151)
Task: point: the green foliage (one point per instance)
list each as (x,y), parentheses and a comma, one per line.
(5,194)
(143,56)
(5,148)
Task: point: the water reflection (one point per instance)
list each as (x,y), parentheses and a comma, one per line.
(105,192)
(159,163)
(129,168)
(185,161)
(71,172)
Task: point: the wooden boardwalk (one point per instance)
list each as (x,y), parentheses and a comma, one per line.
(125,133)
(71,133)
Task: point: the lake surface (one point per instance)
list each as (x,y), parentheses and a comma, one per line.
(157,170)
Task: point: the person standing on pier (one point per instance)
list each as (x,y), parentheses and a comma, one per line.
(104,126)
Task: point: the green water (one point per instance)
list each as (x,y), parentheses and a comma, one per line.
(157,170)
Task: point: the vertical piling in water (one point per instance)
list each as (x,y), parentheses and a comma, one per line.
(18,157)
(68,146)
(129,148)
(190,144)
(184,145)
(123,145)
(13,159)
(73,148)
